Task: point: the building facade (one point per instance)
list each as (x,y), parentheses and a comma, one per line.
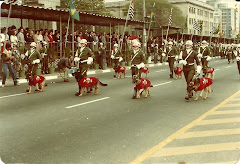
(197,11)
(227,15)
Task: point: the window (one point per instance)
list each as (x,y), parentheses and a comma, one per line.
(211,15)
(190,20)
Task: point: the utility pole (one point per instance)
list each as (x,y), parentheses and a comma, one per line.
(144,28)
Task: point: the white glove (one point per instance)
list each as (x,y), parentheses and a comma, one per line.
(36,61)
(163,54)
(238,58)
(208,58)
(199,55)
(184,62)
(138,66)
(22,56)
(112,57)
(76,59)
(199,68)
(235,52)
(176,57)
(90,60)
(120,59)
(142,65)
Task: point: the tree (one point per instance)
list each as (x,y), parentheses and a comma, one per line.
(88,6)
(162,12)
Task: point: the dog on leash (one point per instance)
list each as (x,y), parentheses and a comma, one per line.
(145,70)
(209,72)
(121,70)
(141,84)
(200,84)
(178,72)
(36,80)
(87,82)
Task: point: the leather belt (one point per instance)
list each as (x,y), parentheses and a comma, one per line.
(190,63)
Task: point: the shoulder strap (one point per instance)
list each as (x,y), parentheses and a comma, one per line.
(135,55)
(188,55)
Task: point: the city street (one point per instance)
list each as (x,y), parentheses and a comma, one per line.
(58,127)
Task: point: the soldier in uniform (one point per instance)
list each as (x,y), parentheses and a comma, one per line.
(33,58)
(233,49)
(45,57)
(229,53)
(237,55)
(204,53)
(187,58)
(84,56)
(137,61)
(16,61)
(172,53)
(116,58)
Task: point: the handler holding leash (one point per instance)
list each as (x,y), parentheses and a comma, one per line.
(172,54)
(204,53)
(84,56)
(116,58)
(33,58)
(187,58)
(137,61)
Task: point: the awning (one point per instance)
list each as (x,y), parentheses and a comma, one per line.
(40,13)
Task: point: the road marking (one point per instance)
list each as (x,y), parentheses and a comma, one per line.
(13,95)
(219,121)
(162,84)
(87,102)
(105,71)
(217,69)
(216,61)
(161,70)
(228,66)
(169,139)
(197,149)
(226,112)
(231,105)
(209,133)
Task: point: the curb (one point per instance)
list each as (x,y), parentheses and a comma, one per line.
(91,72)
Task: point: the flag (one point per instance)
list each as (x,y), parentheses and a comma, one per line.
(153,13)
(72,10)
(170,18)
(131,10)
(196,26)
(217,30)
(186,23)
(201,26)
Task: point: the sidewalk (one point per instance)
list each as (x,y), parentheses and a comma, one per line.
(56,75)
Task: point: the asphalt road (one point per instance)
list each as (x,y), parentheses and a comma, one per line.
(58,127)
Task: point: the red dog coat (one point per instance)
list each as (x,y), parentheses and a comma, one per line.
(204,82)
(211,70)
(144,69)
(37,80)
(145,83)
(88,81)
(179,71)
(121,69)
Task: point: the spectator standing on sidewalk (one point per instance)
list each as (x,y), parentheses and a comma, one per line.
(21,38)
(7,65)
(16,61)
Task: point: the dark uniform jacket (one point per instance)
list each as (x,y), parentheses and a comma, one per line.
(138,58)
(205,51)
(173,52)
(117,54)
(86,52)
(191,58)
(33,56)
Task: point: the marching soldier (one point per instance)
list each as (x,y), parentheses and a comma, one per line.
(187,58)
(16,61)
(116,58)
(229,53)
(33,58)
(233,49)
(172,53)
(204,53)
(45,57)
(137,61)
(237,55)
(84,56)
